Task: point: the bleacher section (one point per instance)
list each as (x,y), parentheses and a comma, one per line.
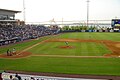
(12,34)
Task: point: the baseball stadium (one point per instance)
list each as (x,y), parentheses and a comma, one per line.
(63,51)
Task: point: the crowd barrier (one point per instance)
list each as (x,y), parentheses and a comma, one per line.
(6,76)
(62,31)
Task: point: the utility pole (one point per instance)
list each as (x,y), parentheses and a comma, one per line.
(88,13)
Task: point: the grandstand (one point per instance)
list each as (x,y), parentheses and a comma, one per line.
(12,34)
(13,30)
(7,17)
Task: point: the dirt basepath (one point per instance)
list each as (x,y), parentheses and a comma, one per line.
(70,56)
(22,53)
(111,45)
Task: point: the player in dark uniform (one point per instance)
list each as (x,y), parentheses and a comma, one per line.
(66,43)
(8,52)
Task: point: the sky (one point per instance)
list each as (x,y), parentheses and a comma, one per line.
(45,10)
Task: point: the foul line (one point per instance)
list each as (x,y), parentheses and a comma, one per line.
(32,46)
(62,56)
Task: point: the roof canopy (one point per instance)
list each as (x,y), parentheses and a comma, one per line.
(10,10)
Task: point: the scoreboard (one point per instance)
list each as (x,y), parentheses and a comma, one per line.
(115,23)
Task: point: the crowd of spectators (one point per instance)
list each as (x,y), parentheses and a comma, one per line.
(11,34)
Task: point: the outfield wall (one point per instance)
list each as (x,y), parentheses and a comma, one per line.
(90,31)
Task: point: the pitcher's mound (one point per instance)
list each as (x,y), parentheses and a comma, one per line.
(67,47)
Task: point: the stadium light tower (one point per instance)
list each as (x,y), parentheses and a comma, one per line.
(24,16)
(88,13)
(62,22)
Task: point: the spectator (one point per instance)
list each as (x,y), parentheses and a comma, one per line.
(17,76)
(11,77)
(32,78)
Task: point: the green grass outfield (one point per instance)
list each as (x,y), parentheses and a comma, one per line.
(94,66)
(79,49)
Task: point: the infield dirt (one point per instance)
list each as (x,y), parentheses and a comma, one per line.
(111,45)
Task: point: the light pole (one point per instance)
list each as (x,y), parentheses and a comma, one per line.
(24,16)
(62,22)
(88,13)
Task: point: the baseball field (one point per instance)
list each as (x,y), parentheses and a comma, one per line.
(69,53)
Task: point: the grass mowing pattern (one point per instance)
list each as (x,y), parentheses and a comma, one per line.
(80,49)
(95,66)
(97,36)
